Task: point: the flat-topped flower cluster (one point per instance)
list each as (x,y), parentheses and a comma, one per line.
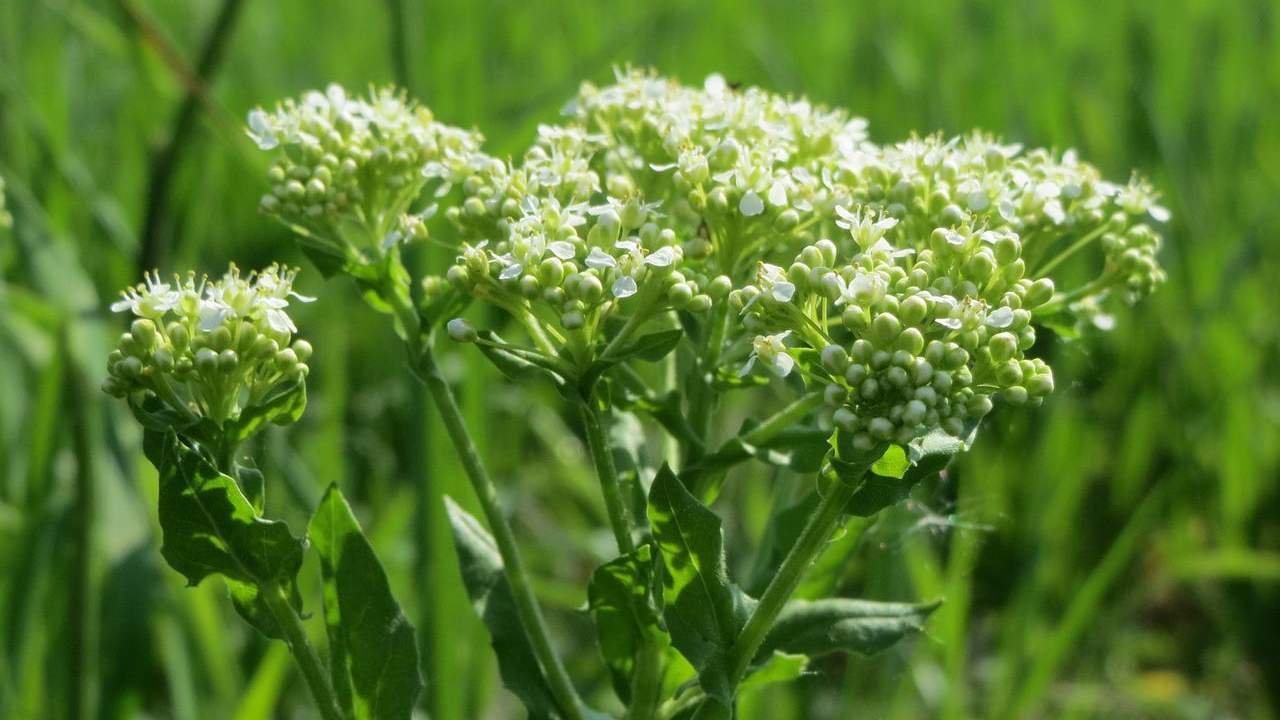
(906,279)
(209,349)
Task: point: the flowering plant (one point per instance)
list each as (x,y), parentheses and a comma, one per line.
(663,246)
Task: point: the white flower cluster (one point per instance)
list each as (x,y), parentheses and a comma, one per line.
(574,267)
(209,348)
(905,340)
(750,167)
(349,169)
(977,182)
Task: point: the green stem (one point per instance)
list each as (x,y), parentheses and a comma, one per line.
(535,627)
(700,394)
(1071,249)
(813,538)
(783,419)
(295,636)
(646,684)
(602,456)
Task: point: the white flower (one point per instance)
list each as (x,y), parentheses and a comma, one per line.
(1001,318)
(563,249)
(751,204)
(624,287)
(770,350)
(663,257)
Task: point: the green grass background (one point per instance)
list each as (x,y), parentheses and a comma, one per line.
(1115,553)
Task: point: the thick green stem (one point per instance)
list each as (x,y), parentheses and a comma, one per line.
(701,396)
(295,636)
(813,538)
(531,620)
(513,566)
(646,684)
(602,456)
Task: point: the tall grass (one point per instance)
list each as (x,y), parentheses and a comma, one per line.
(1114,553)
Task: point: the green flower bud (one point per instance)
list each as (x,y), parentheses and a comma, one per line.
(529,287)
(286,360)
(679,295)
(855,374)
(1002,346)
(1040,385)
(1040,292)
(144,332)
(853,318)
(911,340)
(1007,249)
(835,359)
(885,329)
(206,360)
(461,331)
(590,288)
(572,320)
(700,304)
(845,419)
(880,428)
(459,277)
(897,377)
(1009,373)
(1016,395)
(227,360)
(834,395)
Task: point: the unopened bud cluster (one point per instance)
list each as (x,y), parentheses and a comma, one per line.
(209,349)
(907,340)
(355,165)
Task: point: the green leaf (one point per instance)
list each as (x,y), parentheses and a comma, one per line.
(799,448)
(328,259)
(373,649)
(652,347)
(892,464)
(928,456)
(514,365)
(210,527)
(819,627)
(284,405)
(246,601)
(703,610)
(778,667)
(620,596)
(491,597)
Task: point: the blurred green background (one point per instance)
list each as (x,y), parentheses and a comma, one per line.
(1115,553)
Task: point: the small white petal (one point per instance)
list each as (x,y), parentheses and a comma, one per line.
(746,368)
(783,292)
(599,259)
(563,249)
(1159,213)
(751,204)
(1104,322)
(122,305)
(1001,318)
(953,323)
(778,195)
(783,364)
(663,257)
(624,287)
(512,271)
(661,168)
